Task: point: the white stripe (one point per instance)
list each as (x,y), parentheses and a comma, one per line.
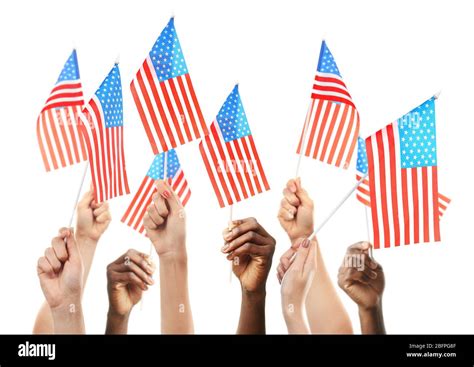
(378,198)
(184,120)
(49,131)
(318,124)
(354,133)
(193,106)
(63,100)
(388,186)
(258,174)
(401,218)
(430,204)
(44,133)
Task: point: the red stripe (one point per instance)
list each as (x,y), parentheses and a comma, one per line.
(305,127)
(182,117)
(220,149)
(188,106)
(436,213)
(363,200)
(68,94)
(123,168)
(209,170)
(178,180)
(238,174)
(354,140)
(171,111)
(416,214)
(81,136)
(314,124)
(393,184)
(99,145)
(326,79)
(56,137)
(373,199)
(330,130)
(141,112)
(406,208)
(332,98)
(321,130)
(186,198)
(64,136)
(71,121)
(40,142)
(196,104)
(249,159)
(87,138)
(259,164)
(323,88)
(383,188)
(426,210)
(135,198)
(66,86)
(114,158)
(345,141)
(341,124)
(62,104)
(140,209)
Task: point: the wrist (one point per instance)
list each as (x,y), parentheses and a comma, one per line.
(294,239)
(173,257)
(370,310)
(67,305)
(116,316)
(254,296)
(85,239)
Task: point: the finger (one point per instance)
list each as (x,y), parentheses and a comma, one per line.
(251,236)
(359,276)
(131,266)
(44,267)
(301,256)
(286,211)
(104,217)
(169,195)
(101,208)
(280,272)
(72,249)
(60,250)
(250,249)
(155,217)
(63,233)
(287,256)
(245,225)
(291,197)
(358,247)
(138,258)
(161,206)
(128,278)
(86,199)
(148,223)
(52,259)
(303,195)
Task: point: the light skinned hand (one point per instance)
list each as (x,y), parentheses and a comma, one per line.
(297,280)
(250,248)
(296,211)
(364,283)
(127,278)
(92,218)
(165,222)
(60,271)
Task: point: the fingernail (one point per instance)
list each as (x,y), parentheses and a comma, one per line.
(149,269)
(166,194)
(293,188)
(373,265)
(373,275)
(290,215)
(225,247)
(228,235)
(305,243)
(149,280)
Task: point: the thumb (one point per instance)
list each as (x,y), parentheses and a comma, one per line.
(165,190)
(302,194)
(87,198)
(72,248)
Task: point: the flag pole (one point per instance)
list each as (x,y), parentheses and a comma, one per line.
(349,193)
(305,131)
(78,194)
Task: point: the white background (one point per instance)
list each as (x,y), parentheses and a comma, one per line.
(392,57)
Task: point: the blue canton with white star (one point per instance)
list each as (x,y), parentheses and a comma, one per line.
(326,62)
(417,130)
(232,119)
(362,165)
(166,54)
(156,171)
(110,97)
(70,70)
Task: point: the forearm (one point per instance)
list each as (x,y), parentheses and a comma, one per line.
(252,313)
(176,315)
(87,249)
(371,320)
(325,310)
(44,320)
(68,319)
(294,319)
(116,324)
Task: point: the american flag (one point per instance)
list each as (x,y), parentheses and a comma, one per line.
(230,155)
(59,139)
(332,122)
(133,217)
(165,97)
(101,123)
(403,179)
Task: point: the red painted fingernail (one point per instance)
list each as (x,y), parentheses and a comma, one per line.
(306,243)
(166,194)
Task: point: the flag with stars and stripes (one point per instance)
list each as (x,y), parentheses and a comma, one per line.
(403,179)
(165,96)
(363,190)
(59,139)
(135,212)
(230,155)
(101,123)
(331,127)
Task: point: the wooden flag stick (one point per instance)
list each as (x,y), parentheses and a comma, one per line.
(78,194)
(349,193)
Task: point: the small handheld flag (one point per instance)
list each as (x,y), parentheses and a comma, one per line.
(230,155)
(101,123)
(59,139)
(165,96)
(332,123)
(135,212)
